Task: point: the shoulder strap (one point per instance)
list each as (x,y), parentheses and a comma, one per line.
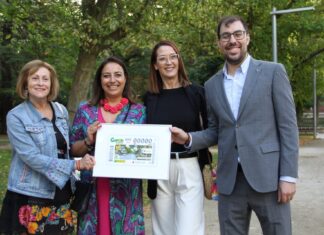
(60,107)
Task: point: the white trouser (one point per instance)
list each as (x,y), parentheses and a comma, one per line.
(178,208)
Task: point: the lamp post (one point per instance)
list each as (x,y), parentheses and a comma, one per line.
(314,102)
(274,14)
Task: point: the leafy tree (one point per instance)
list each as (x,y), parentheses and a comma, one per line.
(75,36)
(29,30)
(103,25)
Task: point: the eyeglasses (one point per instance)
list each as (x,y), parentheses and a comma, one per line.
(238,35)
(164,59)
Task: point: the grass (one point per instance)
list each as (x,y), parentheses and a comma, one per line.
(5,158)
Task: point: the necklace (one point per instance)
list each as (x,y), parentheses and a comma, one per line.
(113,109)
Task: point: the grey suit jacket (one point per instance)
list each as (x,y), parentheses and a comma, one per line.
(265,134)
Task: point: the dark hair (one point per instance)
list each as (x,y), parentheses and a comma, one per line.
(227,20)
(97,91)
(29,69)
(155,80)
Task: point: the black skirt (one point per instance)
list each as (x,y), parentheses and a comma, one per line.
(21,214)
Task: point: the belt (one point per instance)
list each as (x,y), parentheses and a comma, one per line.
(176,155)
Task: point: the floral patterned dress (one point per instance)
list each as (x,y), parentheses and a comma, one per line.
(125,202)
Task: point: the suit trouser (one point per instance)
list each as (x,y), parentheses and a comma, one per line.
(234,211)
(178,208)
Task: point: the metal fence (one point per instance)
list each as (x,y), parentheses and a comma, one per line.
(306,124)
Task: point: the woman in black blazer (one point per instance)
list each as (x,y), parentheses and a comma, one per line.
(177,203)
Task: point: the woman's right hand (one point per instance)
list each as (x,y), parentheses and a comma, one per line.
(92,131)
(86,163)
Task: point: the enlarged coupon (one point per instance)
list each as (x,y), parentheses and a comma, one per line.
(133,151)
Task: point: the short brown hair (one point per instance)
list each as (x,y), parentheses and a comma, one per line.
(227,20)
(30,68)
(155,80)
(97,90)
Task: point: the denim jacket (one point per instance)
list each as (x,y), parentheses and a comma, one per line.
(35,169)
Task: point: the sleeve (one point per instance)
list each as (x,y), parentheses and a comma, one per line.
(208,137)
(285,113)
(26,149)
(79,125)
(203,107)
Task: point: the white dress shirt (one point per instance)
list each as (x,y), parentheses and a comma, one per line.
(234,85)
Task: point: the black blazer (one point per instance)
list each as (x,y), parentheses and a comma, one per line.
(196,97)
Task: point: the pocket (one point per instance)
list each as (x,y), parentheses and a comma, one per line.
(24,176)
(37,133)
(270,147)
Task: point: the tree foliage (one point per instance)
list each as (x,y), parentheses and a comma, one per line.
(75,36)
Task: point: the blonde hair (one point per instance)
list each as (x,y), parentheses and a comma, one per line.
(30,68)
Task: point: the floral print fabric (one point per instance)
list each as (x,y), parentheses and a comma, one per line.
(126,204)
(35,218)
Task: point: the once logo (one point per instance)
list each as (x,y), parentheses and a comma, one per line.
(118,141)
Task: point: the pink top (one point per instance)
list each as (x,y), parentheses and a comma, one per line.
(103,197)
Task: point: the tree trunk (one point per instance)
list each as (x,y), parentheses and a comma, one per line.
(82,80)
(6,78)
(5,95)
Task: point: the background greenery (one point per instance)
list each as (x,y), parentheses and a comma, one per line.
(75,36)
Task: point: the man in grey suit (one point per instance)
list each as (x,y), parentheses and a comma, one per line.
(252,118)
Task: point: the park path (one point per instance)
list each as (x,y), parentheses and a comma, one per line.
(307,205)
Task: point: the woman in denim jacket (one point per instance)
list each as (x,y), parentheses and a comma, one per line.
(39,185)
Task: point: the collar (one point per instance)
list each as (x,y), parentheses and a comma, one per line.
(243,67)
(36,116)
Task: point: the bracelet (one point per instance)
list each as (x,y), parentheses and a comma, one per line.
(87,143)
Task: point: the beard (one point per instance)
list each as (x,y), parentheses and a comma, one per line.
(237,60)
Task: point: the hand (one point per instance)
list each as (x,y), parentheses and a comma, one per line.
(87,162)
(286,191)
(92,131)
(179,136)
